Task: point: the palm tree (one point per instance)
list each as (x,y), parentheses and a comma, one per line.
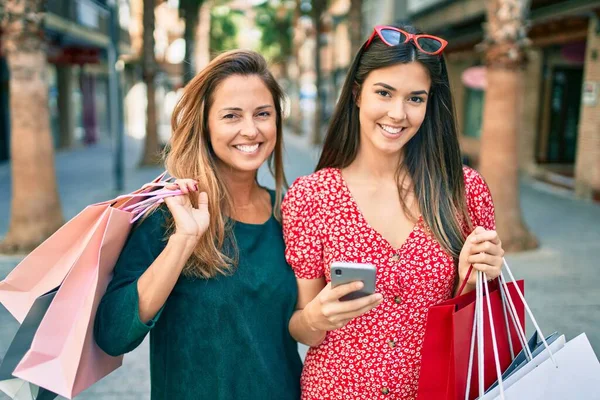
(151,154)
(318,7)
(35,205)
(504,45)
(190,9)
(355,25)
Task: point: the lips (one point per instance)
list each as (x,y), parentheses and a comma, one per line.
(391,129)
(247,148)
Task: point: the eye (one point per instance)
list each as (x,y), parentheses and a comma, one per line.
(264,114)
(417,99)
(384,93)
(229,116)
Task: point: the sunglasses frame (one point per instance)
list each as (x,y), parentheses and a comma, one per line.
(409,37)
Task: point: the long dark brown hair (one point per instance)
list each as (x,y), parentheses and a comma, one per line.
(190,155)
(432,157)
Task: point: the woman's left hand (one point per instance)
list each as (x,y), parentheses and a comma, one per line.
(483,250)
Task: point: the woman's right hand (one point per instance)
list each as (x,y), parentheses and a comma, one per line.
(326,312)
(189,221)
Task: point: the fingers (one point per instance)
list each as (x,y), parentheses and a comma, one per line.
(487,247)
(359,306)
(484,258)
(185,185)
(203,201)
(490,271)
(340,291)
(481,235)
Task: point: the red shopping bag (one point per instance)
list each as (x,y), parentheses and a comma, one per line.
(446,345)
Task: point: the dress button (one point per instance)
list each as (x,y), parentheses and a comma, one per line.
(392,344)
(397,299)
(385,390)
(395,257)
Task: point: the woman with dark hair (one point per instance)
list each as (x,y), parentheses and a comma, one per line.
(389,190)
(213,288)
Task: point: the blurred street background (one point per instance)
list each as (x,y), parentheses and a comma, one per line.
(103,77)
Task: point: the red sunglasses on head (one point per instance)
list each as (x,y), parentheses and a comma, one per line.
(393,36)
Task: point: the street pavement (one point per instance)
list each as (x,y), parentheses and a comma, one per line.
(562,276)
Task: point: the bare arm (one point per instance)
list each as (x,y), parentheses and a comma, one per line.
(319,309)
(300,329)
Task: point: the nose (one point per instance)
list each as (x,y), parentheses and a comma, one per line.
(249,129)
(397,111)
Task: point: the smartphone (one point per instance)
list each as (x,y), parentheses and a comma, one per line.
(346,272)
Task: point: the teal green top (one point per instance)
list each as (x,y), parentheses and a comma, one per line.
(215,339)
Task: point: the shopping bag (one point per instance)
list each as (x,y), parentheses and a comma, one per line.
(16,388)
(47,265)
(573,374)
(535,347)
(63,356)
(562,370)
(446,344)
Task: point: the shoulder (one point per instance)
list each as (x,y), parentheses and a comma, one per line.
(314,186)
(155,223)
(474,183)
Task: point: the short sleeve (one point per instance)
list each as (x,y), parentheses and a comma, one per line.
(479,200)
(302,229)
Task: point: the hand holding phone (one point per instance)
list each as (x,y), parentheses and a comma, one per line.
(352,296)
(345,272)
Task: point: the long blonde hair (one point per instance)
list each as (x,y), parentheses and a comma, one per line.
(190,155)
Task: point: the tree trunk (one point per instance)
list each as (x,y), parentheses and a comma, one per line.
(505,58)
(151,155)
(295,73)
(202,40)
(35,206)
(318,7)
(355,25)
(191,22)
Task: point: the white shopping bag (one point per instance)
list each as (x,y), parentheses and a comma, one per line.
(562,371)
(575,375)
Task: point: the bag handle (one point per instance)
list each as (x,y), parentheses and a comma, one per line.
(478,325)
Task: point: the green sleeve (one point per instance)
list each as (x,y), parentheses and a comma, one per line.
(118,328)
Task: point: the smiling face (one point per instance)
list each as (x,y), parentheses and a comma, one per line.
(392,104)
(242,123)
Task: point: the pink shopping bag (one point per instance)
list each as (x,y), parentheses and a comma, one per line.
(47,265)
(63,356)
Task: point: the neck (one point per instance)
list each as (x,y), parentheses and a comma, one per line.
(242,185)
(372,164)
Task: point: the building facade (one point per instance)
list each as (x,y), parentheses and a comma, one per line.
(78,38)
(559,139)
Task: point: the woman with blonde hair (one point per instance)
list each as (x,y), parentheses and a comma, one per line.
(206,275)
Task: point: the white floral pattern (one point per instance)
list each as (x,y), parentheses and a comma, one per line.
(377,355)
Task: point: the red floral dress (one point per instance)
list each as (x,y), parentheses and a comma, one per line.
(377,355)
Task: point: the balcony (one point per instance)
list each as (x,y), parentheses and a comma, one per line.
(81,22)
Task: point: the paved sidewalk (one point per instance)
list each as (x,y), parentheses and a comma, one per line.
(562,277)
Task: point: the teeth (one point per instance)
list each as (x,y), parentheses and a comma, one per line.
(391,130)
(247,148)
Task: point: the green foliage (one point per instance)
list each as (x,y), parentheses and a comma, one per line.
(274,18)
(224,24)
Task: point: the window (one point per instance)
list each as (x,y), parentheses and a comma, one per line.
(474,99)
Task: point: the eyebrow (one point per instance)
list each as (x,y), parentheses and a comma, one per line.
(239,109)
(393,89)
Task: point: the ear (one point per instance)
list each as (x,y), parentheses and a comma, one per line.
(356,94)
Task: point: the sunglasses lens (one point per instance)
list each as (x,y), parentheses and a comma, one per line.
(429,45)
(393,37)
